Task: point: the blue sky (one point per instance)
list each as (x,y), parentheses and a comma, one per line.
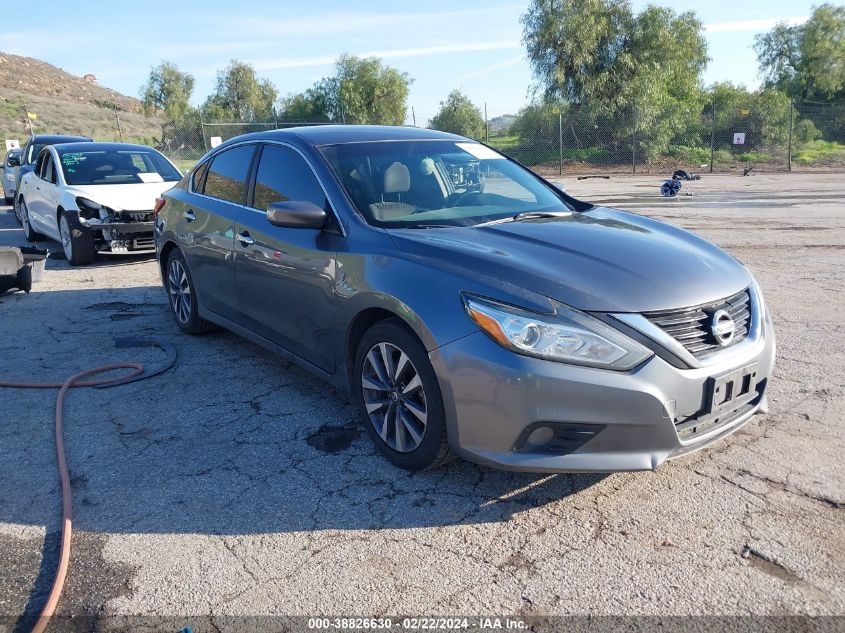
(474,45)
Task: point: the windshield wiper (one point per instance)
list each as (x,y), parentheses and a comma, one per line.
(527,215)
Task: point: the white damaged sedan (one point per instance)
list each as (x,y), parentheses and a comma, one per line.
(95,197)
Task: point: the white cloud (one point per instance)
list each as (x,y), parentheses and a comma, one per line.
(344,21)
(486,70)
(401,53)
(753,25)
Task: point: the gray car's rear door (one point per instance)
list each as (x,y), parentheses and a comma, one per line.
(207,229)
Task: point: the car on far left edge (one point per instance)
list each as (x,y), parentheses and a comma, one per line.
(10,170)
(95,197)
(29,154)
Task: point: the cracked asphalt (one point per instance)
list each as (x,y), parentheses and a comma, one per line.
(237,484)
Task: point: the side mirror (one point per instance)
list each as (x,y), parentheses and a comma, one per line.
(296,214)
(14,161)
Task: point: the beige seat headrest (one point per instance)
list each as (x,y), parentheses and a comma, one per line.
(397,178)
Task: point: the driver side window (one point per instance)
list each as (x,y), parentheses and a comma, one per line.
(39,165)
(48,171)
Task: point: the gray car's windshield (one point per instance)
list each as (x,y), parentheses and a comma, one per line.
(116,167)
(417,184)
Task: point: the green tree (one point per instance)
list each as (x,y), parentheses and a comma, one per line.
(361,91)
(806,61)
(368,91)
(459,115)
(309,106)
(168,91)
(240,95)
(621,69)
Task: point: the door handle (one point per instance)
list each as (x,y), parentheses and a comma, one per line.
(245,239)
(189,216)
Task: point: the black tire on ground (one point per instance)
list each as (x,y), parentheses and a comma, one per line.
(7,200)
(77,240)
(16,207)
(182,295)
(433,449)
(29,233)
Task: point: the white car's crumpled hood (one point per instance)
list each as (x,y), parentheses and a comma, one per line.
(130,197)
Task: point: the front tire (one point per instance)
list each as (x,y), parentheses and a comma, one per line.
(77,240)
(29,233)
(183,296)
(16,206)
(399,397)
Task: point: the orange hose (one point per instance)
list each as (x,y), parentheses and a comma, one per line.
(67,499)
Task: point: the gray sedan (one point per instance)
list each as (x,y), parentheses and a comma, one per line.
(470,307)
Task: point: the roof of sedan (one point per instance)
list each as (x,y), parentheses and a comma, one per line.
(54,139)
(92,147)
(333,134)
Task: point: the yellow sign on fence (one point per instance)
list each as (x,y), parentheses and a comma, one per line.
(31,115)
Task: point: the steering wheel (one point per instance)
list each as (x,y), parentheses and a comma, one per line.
(464,197)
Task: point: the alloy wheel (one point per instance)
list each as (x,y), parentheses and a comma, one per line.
(180,290)
(27,227)
(394,397)
(67,244)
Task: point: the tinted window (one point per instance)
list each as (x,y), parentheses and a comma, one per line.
(48,173)
(228,173)
(39,164)
(196,183)
(284,175)
(32,152)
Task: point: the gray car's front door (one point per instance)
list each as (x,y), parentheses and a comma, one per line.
(285,276)
(207,228)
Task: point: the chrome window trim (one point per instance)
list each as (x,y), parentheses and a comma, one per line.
(302,155)
(752,339)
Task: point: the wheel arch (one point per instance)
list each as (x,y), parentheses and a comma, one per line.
(168,247)
(367,317)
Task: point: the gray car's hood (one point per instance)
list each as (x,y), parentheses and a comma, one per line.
(603,260)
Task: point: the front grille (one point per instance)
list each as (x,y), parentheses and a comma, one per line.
(691,326)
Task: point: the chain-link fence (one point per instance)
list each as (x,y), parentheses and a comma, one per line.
(766,132)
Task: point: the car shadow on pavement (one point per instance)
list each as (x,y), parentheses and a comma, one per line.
(232,440)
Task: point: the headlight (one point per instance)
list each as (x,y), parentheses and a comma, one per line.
(88,209)
(568,336)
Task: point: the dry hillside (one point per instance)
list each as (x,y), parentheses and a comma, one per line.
(66,103)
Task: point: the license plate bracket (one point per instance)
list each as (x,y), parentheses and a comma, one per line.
(731,389)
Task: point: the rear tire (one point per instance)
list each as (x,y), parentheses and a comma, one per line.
(399,397)
(16,207)
(182,295)
(29,233)
(77,240)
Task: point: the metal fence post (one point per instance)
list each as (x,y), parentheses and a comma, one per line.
(202,134)
(789,146)
(634,142)
(560,141)
(712,131)
(486,125)
(117,117)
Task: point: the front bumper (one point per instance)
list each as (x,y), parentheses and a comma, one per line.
(492,396)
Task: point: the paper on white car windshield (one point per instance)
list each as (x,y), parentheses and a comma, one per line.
(481,152)
(151,176)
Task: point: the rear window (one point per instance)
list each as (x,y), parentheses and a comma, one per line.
(227,174)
